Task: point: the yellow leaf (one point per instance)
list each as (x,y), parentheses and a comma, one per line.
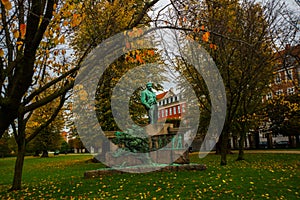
(6,4)
(19,44)
(62,39)
(1,53)
(16,33)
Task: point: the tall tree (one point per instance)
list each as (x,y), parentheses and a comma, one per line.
(34,58)
(237,36)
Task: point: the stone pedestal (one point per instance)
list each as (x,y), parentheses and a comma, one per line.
(140,169)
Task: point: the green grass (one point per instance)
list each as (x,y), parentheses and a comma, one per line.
(261,176)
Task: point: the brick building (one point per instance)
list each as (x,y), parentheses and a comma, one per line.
(286,81)
(286,73)
(170,106)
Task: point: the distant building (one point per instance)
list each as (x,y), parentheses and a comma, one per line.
(286,73)
(286,81)
(170,106)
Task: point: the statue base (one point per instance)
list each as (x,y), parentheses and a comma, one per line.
(162,156)
(141,169)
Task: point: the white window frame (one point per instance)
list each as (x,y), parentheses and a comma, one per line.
(288,74)
(290,90)
(279,92)
(269,96)
(277,78)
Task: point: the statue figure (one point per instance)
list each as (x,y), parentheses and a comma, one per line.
(148,99)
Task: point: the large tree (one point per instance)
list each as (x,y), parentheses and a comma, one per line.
(34,58)
(237,35)
(31,63)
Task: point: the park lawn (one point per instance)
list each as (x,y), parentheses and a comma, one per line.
(260,176)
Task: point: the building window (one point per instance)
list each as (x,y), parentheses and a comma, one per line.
(174,110)
(170,111)
(269,96)
(279,92)
(158,114)
(162,113)
(179,109)
(183,108)
(289,74)
(278,78)
(291,91)
(166,112)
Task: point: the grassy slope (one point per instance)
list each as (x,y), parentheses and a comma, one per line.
(261,176)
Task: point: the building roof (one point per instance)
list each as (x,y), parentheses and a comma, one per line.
(289,50)
(161,95)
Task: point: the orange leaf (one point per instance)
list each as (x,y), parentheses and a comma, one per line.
(23,30)
(8,5)
(139,59)
(151,52)
(205,36)
(213,46)
(62,39)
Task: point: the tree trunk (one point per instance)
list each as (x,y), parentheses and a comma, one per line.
(17,181)
(224,147)
(218,146)
(269,140)
(241,147)
(242,142)
(297,141)
(45,154)
(36,153)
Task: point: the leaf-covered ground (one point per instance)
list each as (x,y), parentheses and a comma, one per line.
(260,176)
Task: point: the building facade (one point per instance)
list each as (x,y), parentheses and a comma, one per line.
(170,106)
(286,73)
(286,82)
